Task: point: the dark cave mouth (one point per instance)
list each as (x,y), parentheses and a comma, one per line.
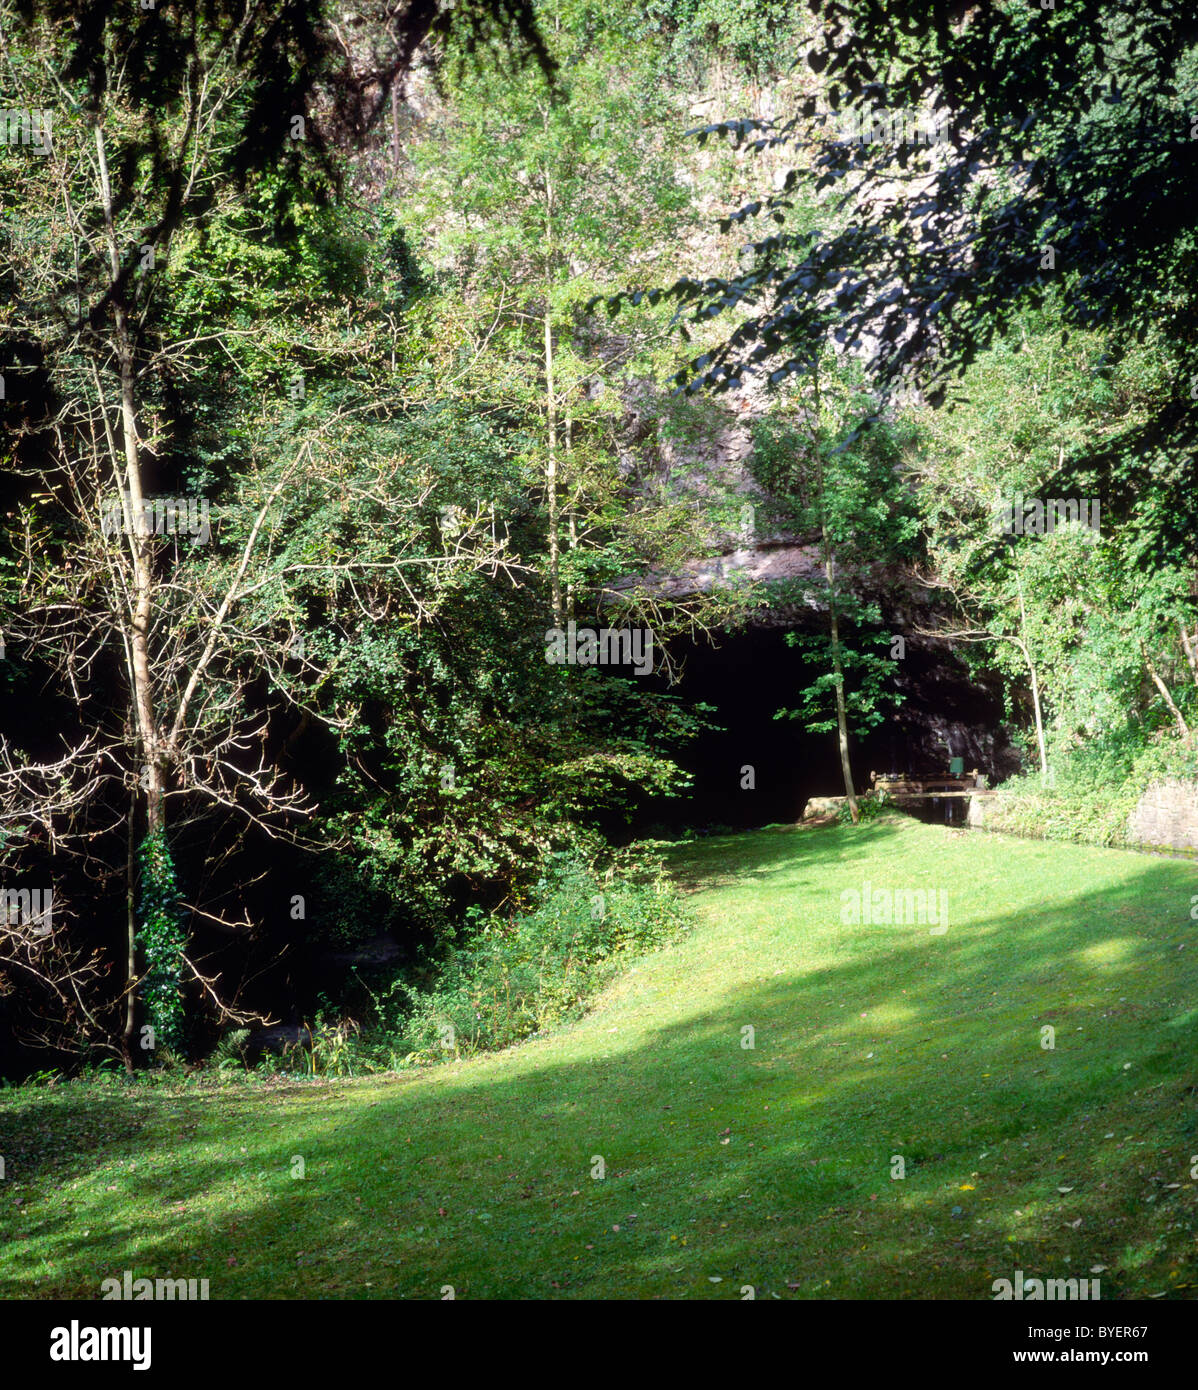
(755,769)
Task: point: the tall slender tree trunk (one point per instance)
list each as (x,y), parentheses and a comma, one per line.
(842,720)
(1035,684)
(551,472)
(571,518)
(842,717)
(555,576)
(139,531)
(130,943)
(1039,720)
(138,534)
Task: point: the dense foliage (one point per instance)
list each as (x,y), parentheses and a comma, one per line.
(316,432)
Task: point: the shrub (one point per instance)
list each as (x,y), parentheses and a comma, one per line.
(229,1052)
(1092,791)
(869,807)
(508,977)
(514,978)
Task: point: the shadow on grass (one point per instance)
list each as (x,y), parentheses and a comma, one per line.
(772,1166)
(722,860)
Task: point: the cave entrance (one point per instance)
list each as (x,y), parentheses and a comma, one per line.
(748,678)
(754,673)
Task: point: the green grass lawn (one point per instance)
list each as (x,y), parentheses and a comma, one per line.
(725,1165)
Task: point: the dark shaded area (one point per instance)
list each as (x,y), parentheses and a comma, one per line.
(751,675)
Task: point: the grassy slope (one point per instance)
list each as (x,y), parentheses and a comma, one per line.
(769,1167)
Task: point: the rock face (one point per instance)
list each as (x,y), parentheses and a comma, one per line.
(818,806)
(702,456)
(757,562)
(1166,816)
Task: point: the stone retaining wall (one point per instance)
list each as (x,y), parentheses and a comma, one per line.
(1165,818)
(1167,814)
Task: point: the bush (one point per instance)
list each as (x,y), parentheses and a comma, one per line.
(507,979)
(514,978)
(869,807)
(1092,791)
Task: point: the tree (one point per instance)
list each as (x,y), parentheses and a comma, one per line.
(1056,160)
(160,128)
(837,474)
(1090,618)
(532,200)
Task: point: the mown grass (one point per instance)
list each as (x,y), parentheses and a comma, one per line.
(725,1166)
